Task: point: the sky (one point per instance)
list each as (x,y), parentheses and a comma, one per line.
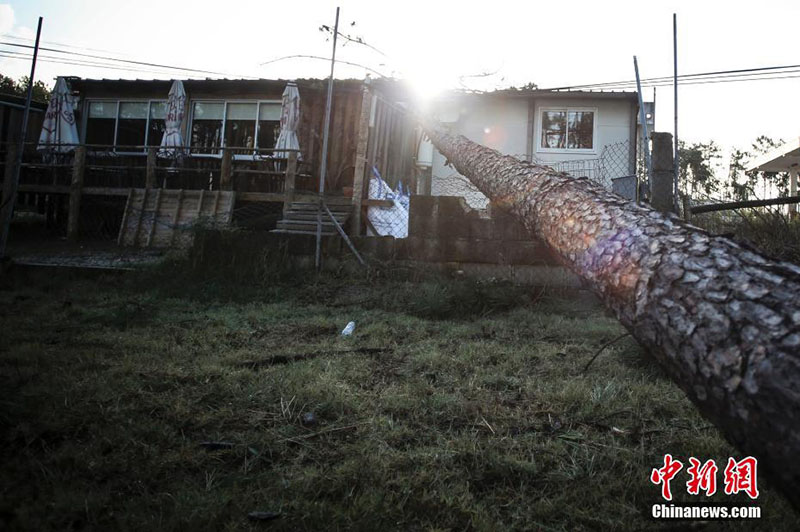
(441,44)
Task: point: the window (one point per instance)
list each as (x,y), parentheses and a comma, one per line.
(101,123)
(207,120)
(126,125)
(567,129)
(248,125)
(158,125)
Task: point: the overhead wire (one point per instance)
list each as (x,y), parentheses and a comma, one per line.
(127,61)
(651,81)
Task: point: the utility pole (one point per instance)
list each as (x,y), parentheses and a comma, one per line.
(645,133)
(9,199)
(675,85)
(325,134)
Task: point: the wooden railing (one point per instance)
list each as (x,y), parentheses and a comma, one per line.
(110,171)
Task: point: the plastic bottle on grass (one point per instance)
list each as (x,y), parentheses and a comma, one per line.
(348,330)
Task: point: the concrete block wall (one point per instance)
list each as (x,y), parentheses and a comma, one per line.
(446,229)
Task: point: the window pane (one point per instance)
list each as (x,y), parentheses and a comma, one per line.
(130,133)
(268,131)
(103,110)
(240,133)
(133,110)
(100,130)
(242,111)
(209,110)
(270,111)
(158,110)
(581,130)
(554,129)
(156,132)
(207,126)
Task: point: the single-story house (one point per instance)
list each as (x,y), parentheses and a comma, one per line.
(591,134)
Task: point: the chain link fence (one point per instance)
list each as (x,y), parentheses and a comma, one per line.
(615,170)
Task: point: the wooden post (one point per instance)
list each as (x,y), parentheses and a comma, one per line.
(361,160)
(78,168)
(226,170)
(8,176)
(289,181)
(687,207)
(792,192)
(150,176)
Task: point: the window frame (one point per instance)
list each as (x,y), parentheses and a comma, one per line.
(258,103)
(119,101)
(566,109)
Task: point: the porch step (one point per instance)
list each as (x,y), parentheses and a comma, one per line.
(309,206)
(300,225)
(309,216)
(301,217)
(296,232)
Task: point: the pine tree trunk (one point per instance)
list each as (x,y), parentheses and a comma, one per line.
(723,321)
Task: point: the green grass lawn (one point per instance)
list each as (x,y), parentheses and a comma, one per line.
(454,406)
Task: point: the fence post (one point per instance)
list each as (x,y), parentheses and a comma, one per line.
(6,212)
(289,181)
(361,160)
(687,207)
(78,168)
(662,180)
(225,170)
(150,176)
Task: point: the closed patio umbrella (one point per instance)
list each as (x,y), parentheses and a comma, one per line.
(59,132)
(290,117)
(172,141)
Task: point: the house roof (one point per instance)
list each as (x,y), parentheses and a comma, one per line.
(781,159)
(545,93)
(18,102)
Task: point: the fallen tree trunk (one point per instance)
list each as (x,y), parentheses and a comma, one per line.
(723,321)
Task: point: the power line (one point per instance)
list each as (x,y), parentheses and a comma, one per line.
(129,61)
(669,78)
(715,79)
(77,62)
(303,56)
(63,45)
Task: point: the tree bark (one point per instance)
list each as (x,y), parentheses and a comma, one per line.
(723,321)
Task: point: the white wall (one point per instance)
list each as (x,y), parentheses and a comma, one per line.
(502,124)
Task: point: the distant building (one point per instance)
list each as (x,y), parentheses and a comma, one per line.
(587,134)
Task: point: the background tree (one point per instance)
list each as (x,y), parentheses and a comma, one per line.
(41,92)
(744,184)
(699,165)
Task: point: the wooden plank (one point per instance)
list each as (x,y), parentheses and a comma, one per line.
(361,160)
(199,211)
(225,171)
(45,189)
(155,218)
(150,172)
(374,136)
(289,181)
(125,214)
(139,218)
(105,191)
(176,217)
(215,209)
(75,189)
